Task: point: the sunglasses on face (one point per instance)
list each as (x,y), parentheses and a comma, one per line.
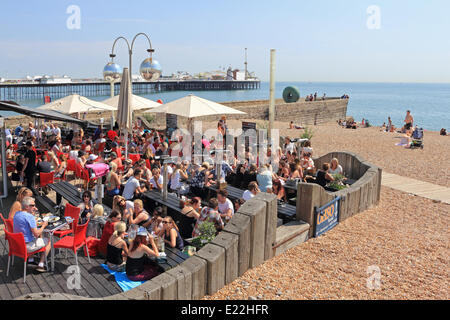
(165,222)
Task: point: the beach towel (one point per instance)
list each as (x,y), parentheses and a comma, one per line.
(122,280)
(403,143)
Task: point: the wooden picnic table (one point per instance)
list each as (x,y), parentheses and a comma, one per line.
(69,192)
(286,211)
(185,224)
(172,201)
(174,256)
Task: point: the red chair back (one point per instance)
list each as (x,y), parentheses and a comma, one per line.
(134,157)
(9,225)
(78,170)
(80,235)
(46,178)
(85,175)
(72,212)
(71,165)
(17,246)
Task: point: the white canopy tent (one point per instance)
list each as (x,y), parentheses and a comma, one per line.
(76,104)
(137,103)
(192,107)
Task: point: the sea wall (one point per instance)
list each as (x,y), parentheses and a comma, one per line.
(302,112)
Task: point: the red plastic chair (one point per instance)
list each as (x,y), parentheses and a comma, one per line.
(71,165)
(18,248)
(9,226)
(78,172)
(74,243)
(134,157)
(45,179)
(72,212)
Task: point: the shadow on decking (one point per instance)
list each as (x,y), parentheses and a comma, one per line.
(95,282)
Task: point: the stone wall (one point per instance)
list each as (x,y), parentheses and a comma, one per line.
(362,195)
(302,112)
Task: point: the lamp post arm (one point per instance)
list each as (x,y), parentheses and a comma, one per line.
(114,45)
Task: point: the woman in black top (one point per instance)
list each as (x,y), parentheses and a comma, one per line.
(117,245)
(323,177)
(29,168)
(138,267)
(171,234)
(86,207)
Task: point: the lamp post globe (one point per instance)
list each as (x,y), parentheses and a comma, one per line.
(112,72)
(150,69)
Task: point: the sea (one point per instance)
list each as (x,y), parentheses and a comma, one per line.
(429,103)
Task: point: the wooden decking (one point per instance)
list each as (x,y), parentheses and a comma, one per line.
(416,187)
(96,282)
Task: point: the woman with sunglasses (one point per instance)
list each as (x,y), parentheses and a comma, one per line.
(120,205)
(171,234)
(86,207)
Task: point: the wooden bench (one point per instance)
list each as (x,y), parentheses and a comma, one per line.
(174,258)
(286,212)
(69,192)
(45,204)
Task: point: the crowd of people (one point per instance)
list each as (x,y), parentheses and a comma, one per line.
(131,234)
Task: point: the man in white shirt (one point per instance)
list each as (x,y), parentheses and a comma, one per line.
(252,191)
(289,146)
(57,131)
(157,179)
(133,185)
(226,208)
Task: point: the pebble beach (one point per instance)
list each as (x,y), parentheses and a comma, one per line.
(405,236)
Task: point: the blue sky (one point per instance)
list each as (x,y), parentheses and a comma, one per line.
(315,41)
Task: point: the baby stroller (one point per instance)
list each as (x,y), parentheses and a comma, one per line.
(417,138)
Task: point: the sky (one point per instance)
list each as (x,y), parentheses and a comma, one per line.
(322,40)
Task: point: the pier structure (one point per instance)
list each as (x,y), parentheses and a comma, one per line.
(28,91)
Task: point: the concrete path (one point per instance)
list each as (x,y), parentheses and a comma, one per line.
(416,187)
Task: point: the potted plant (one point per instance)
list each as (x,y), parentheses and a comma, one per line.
(338,183)
(207,234)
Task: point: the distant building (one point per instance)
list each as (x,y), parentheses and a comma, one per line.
(230,75)
(56,80)
(238,75)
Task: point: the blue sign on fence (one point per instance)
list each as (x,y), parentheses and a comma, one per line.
(326,217)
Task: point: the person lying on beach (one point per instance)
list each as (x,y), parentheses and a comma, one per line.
(292,126)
